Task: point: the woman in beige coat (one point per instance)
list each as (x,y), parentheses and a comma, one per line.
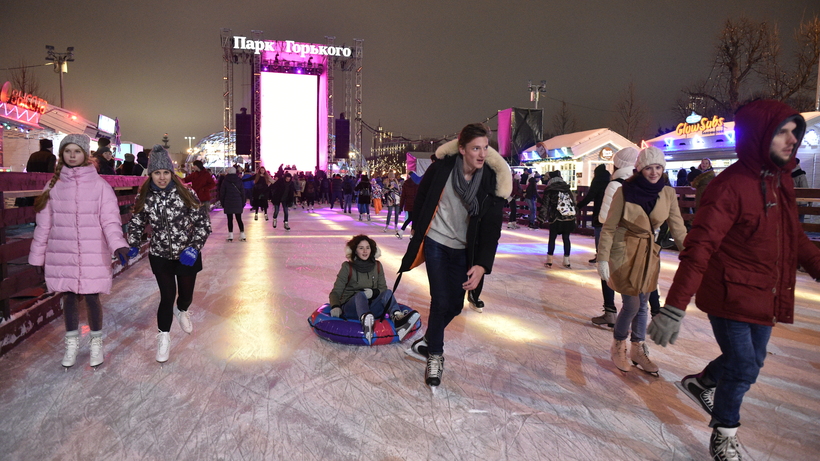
(628,255)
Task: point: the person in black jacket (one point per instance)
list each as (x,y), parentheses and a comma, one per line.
(457,219)
(44,160)
(232,197)
(282,192)
(595,194)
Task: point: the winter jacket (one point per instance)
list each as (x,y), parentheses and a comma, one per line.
(202,182)
(628,241)
(130,169)
(746,242)
(595,193)
(408,194)
(620,175)
(391,192)
(174,226)
(77,233)
(681,182)
(484,229)
(260,193)
(282,191)
(548,212)
(363,189)
(349,281)
(103,165)
(700,182)
(232,194)
(42,161)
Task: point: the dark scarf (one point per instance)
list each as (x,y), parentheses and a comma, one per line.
(642,192)
(797,172)
(362,266)
(171,186)
(466,190)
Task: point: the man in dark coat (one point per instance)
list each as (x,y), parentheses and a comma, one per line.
(42,161)
(740,258)
(103,157)
(130,167)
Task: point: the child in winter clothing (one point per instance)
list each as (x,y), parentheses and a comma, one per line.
(558,209)
(391,196)
(179,231)
(360,291)
(78,228)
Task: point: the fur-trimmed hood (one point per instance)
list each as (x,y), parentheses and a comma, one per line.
(503,173)
(349,253)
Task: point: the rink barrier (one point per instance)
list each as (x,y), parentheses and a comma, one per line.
(25,306)
(346,331)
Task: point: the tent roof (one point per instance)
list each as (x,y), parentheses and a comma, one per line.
(584,142)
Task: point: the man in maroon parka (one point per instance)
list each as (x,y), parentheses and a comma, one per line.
(740,259)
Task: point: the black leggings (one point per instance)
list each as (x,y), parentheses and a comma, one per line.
(238,221)
(553,237)
(71,313)
(168,283)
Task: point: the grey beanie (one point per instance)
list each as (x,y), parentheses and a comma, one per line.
(159,160)
(79,139)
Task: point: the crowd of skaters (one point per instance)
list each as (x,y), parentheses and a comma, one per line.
(457,218)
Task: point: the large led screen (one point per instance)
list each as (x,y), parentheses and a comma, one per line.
(290,120)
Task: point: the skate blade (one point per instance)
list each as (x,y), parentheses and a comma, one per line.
(434,390)
(413,354)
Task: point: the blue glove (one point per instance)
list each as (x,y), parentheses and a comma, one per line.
(122,254)
(188,256)
(133,252)
(666,325)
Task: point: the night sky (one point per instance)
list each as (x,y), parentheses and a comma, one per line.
(430,67)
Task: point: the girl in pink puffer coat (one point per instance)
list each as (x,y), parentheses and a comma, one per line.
(78,229)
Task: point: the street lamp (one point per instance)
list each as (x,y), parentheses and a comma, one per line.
(189,138)
(536,90)
(60,66)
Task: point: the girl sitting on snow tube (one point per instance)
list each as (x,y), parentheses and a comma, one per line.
(361,293)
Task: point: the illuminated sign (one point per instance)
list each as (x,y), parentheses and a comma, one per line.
(703,124)
(22,100)
(289,46)
(606,153)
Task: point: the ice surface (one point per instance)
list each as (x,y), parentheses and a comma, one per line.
(530,378)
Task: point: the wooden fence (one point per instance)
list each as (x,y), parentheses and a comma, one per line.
(24,303)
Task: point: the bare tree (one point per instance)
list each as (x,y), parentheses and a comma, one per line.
(787,84)
(749,64)
(564,121)
(630,115)
(24,79)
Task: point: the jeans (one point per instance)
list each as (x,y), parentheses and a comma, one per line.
(364,208)
(395,210)
(743,349)
(608,293)
(633,314)
(276,210)
(337,195)
(359,305)
(531,203)
(446,272)
(348,203)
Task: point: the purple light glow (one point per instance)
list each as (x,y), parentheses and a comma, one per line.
(290,120)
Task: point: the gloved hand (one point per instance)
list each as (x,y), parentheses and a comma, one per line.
(336,311)
(188,256)
(368,292)
(133,252)
(666,325)
(603,269)
(39,270)
(123,253)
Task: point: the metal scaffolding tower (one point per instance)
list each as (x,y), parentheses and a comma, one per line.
(256,99)
(228,57)
(357,121)
(331,116)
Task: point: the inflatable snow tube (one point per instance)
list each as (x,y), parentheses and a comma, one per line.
(350,331)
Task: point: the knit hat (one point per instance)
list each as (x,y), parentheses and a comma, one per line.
(102,142)
(46,144)
(230,170)
(625,157)
(79,139)
(555,174)
(650,156)
(159,160)
(198,164)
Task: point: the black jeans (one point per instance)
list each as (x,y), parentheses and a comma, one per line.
(238,222)
(446,272)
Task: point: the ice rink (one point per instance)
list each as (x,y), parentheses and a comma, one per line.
(528,379)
